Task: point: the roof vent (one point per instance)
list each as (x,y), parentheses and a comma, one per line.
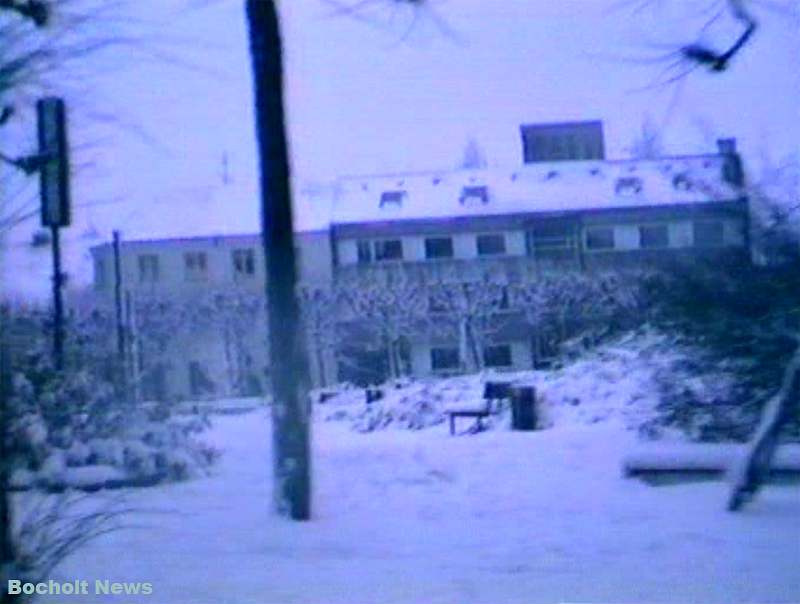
(436,180)
(551,175)
(628,185)
(514,176)
(474,195)
(681,182)
(364,186)
(392,198)
(595,172)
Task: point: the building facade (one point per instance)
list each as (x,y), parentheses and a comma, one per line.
(564,208)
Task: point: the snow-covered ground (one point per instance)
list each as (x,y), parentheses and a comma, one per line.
(419,516)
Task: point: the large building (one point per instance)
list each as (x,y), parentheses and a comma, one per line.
(565,207)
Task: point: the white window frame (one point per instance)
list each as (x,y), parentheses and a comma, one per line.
(194,270)
(493,254)
(593,250)
(244,262)
(499,345)
(457,366)
(664,225)
(150,271)
(440,237)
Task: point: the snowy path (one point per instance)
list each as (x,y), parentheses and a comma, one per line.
(423,517)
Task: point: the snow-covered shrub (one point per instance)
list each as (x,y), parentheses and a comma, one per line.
(406,404)
(743,319)
(62,422)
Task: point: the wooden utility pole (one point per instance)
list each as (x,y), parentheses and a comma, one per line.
(288,364)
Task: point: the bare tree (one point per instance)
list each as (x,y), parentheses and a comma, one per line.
(648,142)
(320,310)
(392,305)
(473,157)
(478,308)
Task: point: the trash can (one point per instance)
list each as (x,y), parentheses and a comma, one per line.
(523,408)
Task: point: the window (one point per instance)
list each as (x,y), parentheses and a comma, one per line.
(497,356)
(244,263)
(389,249)
(392,198)
(148,268)
(444,359)
(555,240)
(474,195)
(491,245)
(600,238)
(195,266)
(653,236)
(99,273)
(364,249)
(708,233)
(438,247)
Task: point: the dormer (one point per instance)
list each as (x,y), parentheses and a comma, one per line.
(473,195)
(393,198)
(628,185)
(681,182)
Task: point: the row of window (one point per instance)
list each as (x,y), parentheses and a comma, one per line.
(542,242)
(446,358)
(491,244)
(195,266)
(705,233)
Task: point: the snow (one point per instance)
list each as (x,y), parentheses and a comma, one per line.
(540,187)
(419,516)
(702,456)
(615,383)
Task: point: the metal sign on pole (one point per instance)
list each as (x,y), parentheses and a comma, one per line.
(53,162)
(53,165)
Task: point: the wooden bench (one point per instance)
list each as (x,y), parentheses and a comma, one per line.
(478,414)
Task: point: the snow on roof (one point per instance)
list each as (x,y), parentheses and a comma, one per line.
(538,187)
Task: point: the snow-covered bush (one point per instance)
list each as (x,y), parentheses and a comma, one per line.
(59,423)
(406,404)
(744,320)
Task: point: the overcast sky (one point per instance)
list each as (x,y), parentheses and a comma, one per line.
(391,89)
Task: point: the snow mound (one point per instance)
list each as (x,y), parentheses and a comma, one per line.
(410,405)
(618,383)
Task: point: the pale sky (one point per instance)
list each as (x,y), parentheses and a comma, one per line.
(394,90)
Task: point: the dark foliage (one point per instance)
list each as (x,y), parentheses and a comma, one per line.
(747,319)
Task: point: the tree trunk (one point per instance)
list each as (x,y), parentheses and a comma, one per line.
(7,556)
(390,358)
(779,410)
(290,409)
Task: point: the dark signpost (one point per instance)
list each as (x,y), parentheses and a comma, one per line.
(53,166)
